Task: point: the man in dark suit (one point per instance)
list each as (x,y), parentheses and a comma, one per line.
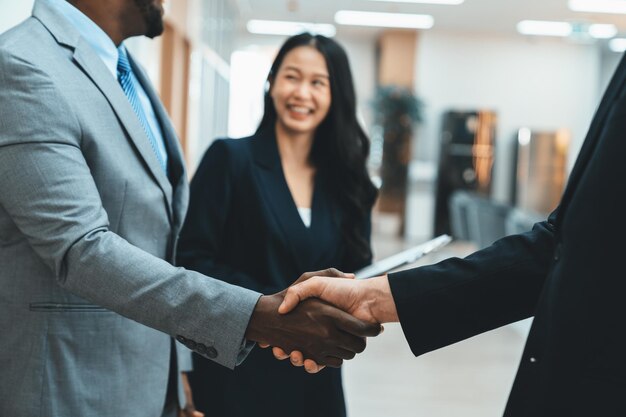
(567,273)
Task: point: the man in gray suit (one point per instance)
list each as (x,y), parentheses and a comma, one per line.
(93,193)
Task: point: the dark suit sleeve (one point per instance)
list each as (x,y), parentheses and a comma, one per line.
(205,224)
(458,298)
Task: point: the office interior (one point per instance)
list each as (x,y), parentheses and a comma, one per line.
(505,92)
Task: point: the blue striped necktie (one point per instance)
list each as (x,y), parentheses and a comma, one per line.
(125,78)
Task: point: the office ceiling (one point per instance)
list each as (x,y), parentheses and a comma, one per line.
(473,16)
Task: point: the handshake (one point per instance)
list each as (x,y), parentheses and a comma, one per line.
(323,318)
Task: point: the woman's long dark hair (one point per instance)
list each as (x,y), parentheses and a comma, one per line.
(340,148)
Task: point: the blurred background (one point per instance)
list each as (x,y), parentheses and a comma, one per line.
(476,111)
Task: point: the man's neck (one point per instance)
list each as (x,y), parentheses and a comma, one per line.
(107,15)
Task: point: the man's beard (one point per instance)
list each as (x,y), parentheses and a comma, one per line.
(152,16)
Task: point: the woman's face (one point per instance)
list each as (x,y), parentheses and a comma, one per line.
(301,90)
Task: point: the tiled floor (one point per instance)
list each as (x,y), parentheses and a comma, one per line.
(469,379)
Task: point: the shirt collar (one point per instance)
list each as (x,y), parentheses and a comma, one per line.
(90,32)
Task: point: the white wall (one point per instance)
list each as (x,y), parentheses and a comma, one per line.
(14,11)
(535,83)
(540,84)
(608,63)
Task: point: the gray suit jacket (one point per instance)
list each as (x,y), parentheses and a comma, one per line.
(89,224)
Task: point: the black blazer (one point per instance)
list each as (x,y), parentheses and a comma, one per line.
(568,273)
(244,228)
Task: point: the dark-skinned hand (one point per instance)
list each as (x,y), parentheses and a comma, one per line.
(322,333)
(329,272)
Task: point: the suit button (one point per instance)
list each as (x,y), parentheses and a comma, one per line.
(201,349)
(533,359)
(181,339)
(211,352)
(557,252)
(192,345)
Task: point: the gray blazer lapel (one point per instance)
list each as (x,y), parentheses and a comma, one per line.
(95,69)
(62,30)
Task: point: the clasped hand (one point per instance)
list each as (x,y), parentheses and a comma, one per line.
(318,330)
(367,301)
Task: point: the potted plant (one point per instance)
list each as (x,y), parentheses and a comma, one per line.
(397,111)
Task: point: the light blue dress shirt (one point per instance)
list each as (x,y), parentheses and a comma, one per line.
(107,51)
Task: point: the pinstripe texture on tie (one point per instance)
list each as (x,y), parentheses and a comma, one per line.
(125,78)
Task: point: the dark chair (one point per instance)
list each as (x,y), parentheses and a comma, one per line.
(520,220)
(476,218)
(459,204)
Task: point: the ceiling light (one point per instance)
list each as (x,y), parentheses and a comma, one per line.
(618,45)
(278,27)
(447,2)
(601,31)
(544,28)
(390,20)
(598,6)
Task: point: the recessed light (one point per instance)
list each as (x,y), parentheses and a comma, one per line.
(391,20)
(598,6)
(279,27)
(602,31)
(446,2)
(544,28)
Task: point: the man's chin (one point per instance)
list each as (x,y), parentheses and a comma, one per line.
(154,32)
(152,13)
(155,24)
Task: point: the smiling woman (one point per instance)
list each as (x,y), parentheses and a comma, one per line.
(293,197)
(338,145)
(301,92)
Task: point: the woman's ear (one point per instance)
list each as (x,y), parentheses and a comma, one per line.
(268,84)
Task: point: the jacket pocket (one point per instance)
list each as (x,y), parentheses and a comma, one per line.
(52,307)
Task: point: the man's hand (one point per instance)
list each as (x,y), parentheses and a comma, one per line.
(297,359)
(330,272)
(369,300)
(190,409)
(320,331)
